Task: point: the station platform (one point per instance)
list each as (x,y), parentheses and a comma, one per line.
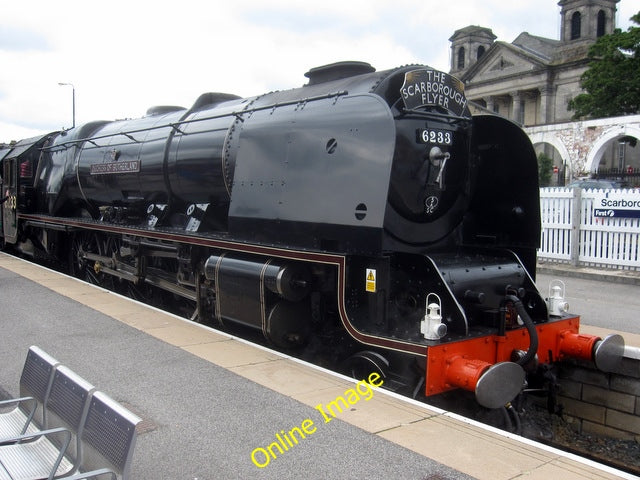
(209,400)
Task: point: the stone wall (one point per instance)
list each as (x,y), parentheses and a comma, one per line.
(581,145)
(603,403)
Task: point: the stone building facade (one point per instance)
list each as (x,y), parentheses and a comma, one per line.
(531,79)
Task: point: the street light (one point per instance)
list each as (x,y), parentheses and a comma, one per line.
(73,97)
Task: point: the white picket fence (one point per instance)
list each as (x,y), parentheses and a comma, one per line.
(571,233)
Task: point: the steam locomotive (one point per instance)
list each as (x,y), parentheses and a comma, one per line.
(366,216)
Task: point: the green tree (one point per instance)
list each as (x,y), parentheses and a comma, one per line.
(545,166)
(612,82)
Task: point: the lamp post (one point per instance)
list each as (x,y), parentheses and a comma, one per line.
(73,99)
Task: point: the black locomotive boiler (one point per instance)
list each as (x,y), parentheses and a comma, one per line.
(365,217)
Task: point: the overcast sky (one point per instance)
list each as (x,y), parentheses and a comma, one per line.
(126,56)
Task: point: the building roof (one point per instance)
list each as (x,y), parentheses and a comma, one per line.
(544,48)
(475,30)
(508,59)
(527,53)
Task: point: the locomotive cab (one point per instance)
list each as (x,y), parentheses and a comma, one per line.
(19,169)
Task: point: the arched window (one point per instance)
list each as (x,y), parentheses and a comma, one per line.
(460,58)
(480,52)
(601,23)
(576,24)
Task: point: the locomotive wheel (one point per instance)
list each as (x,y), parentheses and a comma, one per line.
(109,247)
(77,262)
(145,293)
(80,267)
(362,364)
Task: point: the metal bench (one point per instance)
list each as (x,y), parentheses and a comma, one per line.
(90,435)
(108,439)
(53,452)
(28,414)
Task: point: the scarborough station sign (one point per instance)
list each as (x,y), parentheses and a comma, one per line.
(617,205)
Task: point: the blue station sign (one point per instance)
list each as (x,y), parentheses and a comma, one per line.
(617,205)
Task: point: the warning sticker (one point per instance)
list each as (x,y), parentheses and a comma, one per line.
(371,280)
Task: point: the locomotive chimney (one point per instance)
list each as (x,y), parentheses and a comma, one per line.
(336,71)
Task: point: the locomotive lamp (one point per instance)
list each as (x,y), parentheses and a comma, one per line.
(557,304)
(431,325)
